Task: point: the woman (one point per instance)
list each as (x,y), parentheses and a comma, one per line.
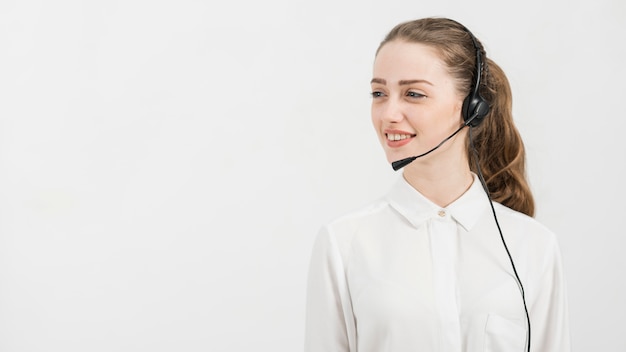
(427,268)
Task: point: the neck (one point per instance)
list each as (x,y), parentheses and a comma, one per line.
(442,180)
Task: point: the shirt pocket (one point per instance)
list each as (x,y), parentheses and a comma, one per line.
(504,334)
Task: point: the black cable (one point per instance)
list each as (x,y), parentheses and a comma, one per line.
(493,210)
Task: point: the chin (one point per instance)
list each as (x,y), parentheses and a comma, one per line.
(395,157)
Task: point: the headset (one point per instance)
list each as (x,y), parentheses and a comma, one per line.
(474,110)
(475,107)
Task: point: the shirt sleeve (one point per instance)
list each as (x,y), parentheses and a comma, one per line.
(549,312)
(329,323)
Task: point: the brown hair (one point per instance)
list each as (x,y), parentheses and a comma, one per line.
(497,141)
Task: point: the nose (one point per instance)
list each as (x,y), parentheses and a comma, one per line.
(392,111)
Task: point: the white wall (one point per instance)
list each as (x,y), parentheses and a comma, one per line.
(165,165)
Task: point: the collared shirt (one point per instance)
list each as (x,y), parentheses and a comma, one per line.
(407,275)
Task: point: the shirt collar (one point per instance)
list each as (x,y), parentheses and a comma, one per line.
(416,208)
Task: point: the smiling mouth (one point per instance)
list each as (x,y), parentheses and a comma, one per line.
(398,137)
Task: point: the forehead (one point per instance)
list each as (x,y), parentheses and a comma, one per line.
(401,60)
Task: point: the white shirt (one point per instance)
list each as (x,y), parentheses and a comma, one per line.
(407,275)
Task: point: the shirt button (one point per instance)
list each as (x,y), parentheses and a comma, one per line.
(441,213)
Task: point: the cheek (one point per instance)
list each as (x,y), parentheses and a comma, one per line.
(456,110)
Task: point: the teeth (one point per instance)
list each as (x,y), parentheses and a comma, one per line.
(397,137)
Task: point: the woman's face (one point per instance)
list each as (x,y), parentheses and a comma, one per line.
(415,104)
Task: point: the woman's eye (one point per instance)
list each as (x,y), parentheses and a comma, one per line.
(414,94)
(377,94)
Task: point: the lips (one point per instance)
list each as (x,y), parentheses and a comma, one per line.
(396,139)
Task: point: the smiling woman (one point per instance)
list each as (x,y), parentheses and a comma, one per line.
(427,268)
(407,103)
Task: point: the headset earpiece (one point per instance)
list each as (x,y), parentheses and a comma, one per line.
(475,107)
(474,110)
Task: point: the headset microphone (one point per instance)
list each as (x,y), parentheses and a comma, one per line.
(397,165)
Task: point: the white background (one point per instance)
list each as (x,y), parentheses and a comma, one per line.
(165,165)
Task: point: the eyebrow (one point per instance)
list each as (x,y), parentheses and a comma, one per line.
(401,82)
